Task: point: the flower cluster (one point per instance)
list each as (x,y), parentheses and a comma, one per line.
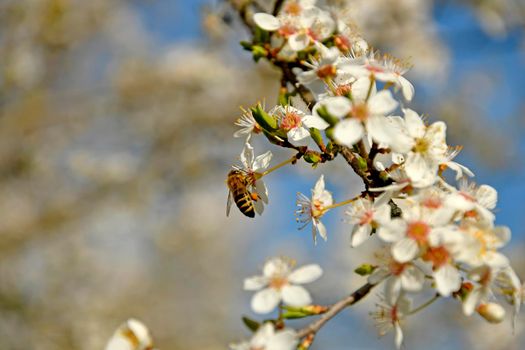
(349,100)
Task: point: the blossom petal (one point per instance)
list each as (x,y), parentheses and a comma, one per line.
(283,340)
(412,279)
(405,250)
(298,41)
(382,103)
(255,282)
(296,295)
(305,274)
(262,161)
(265,301)
(360,234)
(313,121)
(448,280)
(266,21)
(348,132)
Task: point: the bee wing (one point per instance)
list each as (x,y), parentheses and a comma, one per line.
(229,203)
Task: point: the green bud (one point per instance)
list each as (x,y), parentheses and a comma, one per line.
(251,324)
(312,157)
(246,45)
(259,52)
(316,136)
(323,113)
(265,121)
(330,133)
(365,269)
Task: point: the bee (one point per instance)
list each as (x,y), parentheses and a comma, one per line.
(238,183)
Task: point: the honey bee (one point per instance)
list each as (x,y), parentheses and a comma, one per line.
(239,183)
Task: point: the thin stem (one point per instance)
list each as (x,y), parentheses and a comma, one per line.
(421,307)
(335,309)
(372,81)
(264,173)
(342,203)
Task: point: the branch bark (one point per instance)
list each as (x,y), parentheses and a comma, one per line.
(335,309)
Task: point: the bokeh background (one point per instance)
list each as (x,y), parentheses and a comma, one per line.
(116,123)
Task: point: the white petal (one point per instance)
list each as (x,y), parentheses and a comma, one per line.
(313,121)
(262,191)
(337,106)
(298,41)
(412,279)
(247,156)
(347,132)
(296,135)
(414,124)
(255,283)
(360,88)
(305,274)
(405,250)
(392,290)
(320,228)
(447,279)
(472,300)
(382,103)
(283,340)
(378,275)
(262,161)
(360,233)
(296,296)
(398,336)
(266,21)
(406,88)
(265,301)
(487,196)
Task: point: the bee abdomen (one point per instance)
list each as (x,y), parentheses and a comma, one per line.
(244,202)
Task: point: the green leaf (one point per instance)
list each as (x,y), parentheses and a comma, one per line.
(251,324)
(365,269)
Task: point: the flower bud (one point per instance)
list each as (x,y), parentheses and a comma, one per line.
(492,312)
(365,269)
(312,157)
(323,113)
(266,121)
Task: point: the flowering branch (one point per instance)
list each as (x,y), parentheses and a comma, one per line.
(340,96)
(335,309)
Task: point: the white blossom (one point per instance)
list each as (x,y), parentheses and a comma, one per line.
(131,335)
(280,283)
(311,210)
(267,338)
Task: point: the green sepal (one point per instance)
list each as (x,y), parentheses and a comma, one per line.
(318,138)
(312,157)
(265,121)
(259,52)
(330,119)
(246,45)
(362,164)
(365,269)
(250,324)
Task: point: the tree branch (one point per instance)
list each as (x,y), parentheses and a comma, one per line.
(335,309)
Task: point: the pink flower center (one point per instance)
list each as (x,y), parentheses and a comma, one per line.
(360,111)
(293,8)
(438,256)
(367,218)
(278,282)
(326,71)
(343,90)
(374,69)
(287,30)
(432,203)
(418,231)
(317,208)
(290,121)
(396,268)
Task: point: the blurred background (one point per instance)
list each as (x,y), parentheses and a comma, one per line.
(116,123)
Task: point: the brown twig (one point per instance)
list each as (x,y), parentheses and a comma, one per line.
(277,7)
(353,298)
